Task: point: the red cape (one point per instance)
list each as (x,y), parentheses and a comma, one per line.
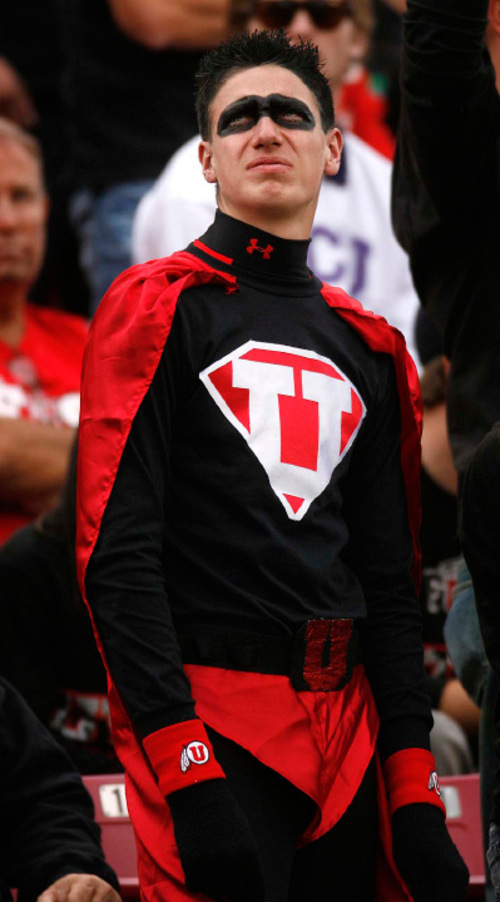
(126,342)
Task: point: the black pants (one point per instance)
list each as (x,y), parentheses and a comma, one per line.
(339,867)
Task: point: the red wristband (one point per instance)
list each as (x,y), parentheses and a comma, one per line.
(182,755)
(410,776)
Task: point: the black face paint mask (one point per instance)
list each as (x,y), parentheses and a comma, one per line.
(287,112)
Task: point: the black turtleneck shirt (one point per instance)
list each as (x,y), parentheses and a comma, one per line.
(260,486)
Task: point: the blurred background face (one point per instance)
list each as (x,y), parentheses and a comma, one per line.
(331,24)
(23,214)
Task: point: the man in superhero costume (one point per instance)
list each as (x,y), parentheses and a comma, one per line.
(248,509)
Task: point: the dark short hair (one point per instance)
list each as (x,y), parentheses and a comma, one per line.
(262,48)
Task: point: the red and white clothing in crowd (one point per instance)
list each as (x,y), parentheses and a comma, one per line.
(40,380)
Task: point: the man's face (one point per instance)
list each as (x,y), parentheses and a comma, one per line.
(267,151)
(23,214)
(339,46)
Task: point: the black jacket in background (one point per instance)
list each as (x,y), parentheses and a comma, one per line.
(446,201)
(446,211)
(47,827)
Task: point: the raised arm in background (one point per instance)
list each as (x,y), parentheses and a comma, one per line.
(188,24)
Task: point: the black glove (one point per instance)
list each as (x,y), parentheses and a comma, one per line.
(218,851)
(425,855)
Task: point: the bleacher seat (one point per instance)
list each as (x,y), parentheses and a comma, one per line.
(463,818)
(108,794)
(460,795)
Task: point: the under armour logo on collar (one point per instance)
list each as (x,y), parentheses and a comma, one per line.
(265,251)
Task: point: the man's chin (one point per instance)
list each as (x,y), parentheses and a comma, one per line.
(269,206)
(273,196)
(15,275)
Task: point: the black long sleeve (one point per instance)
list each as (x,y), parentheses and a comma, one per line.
(380,552)
(446,200)
(448,106)
(126,578)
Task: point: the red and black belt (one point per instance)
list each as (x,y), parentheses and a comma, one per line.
(320,657)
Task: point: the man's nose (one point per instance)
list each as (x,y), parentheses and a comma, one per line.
(301,26)
(266,131)
(7,213)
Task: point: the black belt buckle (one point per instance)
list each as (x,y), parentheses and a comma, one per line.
(324,654)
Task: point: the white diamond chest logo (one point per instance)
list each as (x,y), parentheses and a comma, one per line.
(297,411)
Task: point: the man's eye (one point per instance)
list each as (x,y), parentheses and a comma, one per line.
(292,117)
(235,122)
(22,195)
(239,121)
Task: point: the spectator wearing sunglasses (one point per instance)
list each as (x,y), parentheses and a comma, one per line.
(357,103)
(335,27)
(352,243)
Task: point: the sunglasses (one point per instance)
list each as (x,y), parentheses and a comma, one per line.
(280,13)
